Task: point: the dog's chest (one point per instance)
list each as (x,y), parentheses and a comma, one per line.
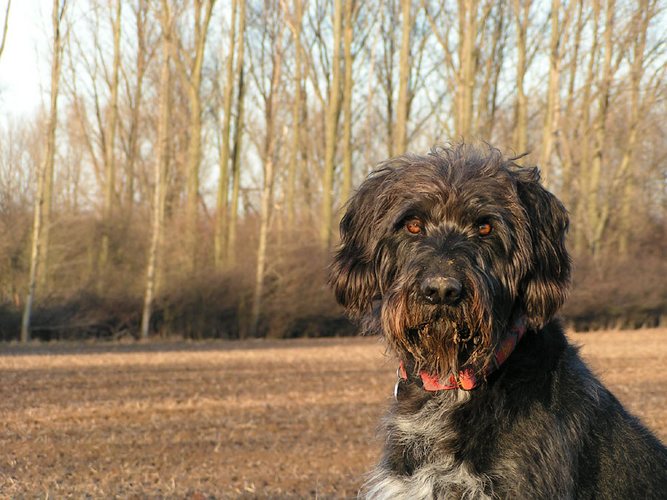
(422,462)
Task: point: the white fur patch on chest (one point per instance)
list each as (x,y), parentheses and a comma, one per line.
(427,483)
(439,476)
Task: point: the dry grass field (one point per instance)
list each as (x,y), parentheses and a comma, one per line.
(226,420)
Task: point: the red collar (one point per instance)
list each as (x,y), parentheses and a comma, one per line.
(466,378)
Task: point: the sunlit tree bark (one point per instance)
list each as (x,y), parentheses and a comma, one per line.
(142,59)
(5,26)
(401,131)
(223,180)
(268,159)
(230,239)
(110,146)
(348,83)
(294,167)
(595,221)
(190,70)
(639,104)
(43,196)
(236,173)
(558,39)
(159,171)
(522,18)
(331,129)
(569,115)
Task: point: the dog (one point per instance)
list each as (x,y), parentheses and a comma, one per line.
(458,258)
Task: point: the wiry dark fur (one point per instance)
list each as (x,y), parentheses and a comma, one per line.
(541,426)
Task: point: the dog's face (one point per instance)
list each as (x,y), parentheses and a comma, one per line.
(441,252)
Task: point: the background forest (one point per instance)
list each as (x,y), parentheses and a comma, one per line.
(186,173)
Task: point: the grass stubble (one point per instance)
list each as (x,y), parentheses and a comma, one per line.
(249,419)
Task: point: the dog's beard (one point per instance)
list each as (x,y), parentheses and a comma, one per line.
(440,339)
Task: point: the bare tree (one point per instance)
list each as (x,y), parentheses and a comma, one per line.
(563,143)
(388,22)
(461,58)
(110,142)
(485,120)
(351,10)
(230,239)
(136,91)
(159,169)
(294,167)
(5,26)
(268,159)
(468,27)
(559,30)
(331,128)
(641,61)
(584,126)
(190,72)
(522,19)
(43,197)
(595,220)
(223,181)
(401,137)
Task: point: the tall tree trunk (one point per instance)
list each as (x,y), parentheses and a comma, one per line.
(386,73)
(584,137)
(401,133)
(294,167)
(5,25)
(193,81)
(485,115)
(236,172)
(45,176)
(230,239)
(223,181)
(369,132)
(567,157)
(135,112)
(109,149)
(267,189)
(522,16)
(600,128)
(348,83)
(331,127)
(464,49)
(468,65)
(34,257)
(551,112)
(159,173)
(643,18)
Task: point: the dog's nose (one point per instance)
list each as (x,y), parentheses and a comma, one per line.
(441,290)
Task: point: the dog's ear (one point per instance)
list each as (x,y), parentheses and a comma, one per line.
(352,274)
(545,287)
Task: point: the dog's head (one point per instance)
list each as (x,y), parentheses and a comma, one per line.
(441,252)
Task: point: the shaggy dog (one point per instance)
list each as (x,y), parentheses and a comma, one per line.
(458,258)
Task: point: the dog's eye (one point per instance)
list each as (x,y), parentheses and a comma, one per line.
(484,229)
(414,225)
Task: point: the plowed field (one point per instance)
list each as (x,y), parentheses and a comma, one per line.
(238,419)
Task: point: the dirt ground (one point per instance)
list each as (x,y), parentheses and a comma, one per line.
(226,420)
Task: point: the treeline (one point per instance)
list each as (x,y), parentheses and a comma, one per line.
(186,174)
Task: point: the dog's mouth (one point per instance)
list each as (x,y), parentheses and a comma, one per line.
(439,337)
(460,333)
